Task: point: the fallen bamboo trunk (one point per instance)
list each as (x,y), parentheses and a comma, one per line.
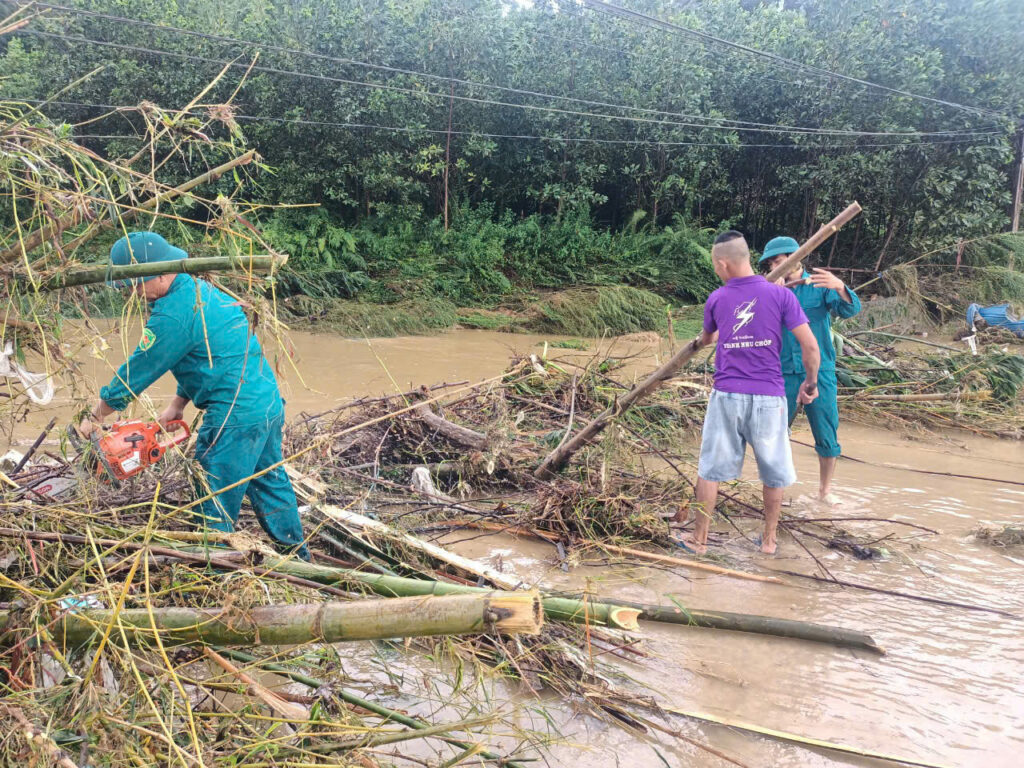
(606,613)
(48,232)
(761,625)
(559,457)
(185,266)
(329,622)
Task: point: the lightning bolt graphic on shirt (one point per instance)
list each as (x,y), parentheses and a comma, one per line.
(744,313)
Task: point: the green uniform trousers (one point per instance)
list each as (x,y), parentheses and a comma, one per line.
(230,455)
(822,414)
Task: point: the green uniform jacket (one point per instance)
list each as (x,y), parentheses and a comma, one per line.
(818,304)
(201,335)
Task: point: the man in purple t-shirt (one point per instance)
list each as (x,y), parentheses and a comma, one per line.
(748,402)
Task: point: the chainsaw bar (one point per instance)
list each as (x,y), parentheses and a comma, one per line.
(90,455)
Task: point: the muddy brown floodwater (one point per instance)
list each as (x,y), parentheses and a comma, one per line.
(947,692)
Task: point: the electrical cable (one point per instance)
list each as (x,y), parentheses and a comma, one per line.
(720,124)
(603,7)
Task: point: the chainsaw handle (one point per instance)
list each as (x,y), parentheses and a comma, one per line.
(175,440)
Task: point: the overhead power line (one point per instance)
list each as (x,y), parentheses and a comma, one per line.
(615,10)
(485,135)
(710,122)
(492,102)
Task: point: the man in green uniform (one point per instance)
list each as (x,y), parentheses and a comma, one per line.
(821,295)
(202,337)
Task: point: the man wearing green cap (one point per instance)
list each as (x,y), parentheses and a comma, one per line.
(202,337)
(821,294)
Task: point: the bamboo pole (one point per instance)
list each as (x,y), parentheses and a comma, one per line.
(607,613)
(80,214)
(328,622)
(559,457)
(761,625)
(191,266)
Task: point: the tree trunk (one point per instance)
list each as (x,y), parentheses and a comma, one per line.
(329,622)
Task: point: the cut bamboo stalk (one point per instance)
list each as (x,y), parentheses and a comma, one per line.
(329,622)
(606,613)
(559,457)
(48,232)
(184,266)
(761,625)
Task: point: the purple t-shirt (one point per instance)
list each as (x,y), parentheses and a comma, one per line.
(749,314)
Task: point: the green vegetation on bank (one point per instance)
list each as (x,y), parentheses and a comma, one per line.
(350,105)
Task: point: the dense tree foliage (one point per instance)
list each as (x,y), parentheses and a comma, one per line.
(616,180)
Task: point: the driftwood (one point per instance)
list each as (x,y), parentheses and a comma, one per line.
(286,709)
(456,433)
(559,457)
(330,622)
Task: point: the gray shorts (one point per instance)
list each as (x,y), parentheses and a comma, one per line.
(732,421)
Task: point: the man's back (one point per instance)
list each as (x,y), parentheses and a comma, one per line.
(239,387)
(749,314)
(202,337)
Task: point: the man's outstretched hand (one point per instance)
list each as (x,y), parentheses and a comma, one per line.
(825,279)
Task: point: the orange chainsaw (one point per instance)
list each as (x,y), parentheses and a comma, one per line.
(128,447)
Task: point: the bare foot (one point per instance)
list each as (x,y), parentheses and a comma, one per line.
(830,499)
(768,546)
(693,544)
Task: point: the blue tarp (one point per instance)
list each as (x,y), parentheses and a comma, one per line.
(997,315)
